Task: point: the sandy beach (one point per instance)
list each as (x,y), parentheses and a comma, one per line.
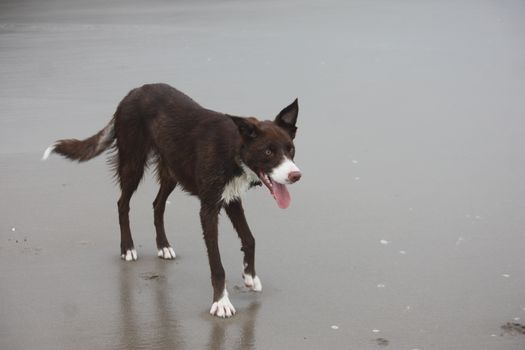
(409,216)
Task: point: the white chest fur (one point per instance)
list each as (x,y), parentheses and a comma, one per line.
(238,185)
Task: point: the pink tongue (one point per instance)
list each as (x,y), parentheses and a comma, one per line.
(281,195)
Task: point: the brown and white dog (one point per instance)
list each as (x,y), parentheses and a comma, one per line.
(211,155)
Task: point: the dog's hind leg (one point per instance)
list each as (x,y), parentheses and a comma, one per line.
(236,214)
(167,184)
(127,248)
(130,171)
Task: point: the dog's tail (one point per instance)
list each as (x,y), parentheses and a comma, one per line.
(83,150)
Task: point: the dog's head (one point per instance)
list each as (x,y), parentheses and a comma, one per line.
(268,150)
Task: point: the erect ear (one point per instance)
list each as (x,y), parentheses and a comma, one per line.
(287,118)
(247,127)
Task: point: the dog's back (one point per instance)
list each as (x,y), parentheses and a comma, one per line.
(160,123)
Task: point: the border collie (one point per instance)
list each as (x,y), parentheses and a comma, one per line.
(211,155)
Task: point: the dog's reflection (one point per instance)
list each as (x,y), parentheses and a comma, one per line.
(127,315)
(148,319)
(151,326)
(246,321)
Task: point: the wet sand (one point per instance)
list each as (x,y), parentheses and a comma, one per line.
(406,231)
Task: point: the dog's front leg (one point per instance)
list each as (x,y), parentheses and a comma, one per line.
(236,214)
(221,307)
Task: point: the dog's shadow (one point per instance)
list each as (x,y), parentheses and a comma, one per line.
(156,326)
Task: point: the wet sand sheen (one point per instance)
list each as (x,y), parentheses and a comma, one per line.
(405,232)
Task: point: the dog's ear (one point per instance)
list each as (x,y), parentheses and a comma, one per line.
(247,127)
(287,118)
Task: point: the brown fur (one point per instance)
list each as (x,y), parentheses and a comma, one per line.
(192,147)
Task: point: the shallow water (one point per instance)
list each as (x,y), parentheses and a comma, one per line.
(406,231)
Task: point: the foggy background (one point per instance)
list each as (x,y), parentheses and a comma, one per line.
(406,230)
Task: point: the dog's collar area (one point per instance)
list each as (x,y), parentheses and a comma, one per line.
(255,183)
(251,175)
(243,179)
(246,169)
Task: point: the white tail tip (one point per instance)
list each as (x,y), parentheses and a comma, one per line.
(47,152)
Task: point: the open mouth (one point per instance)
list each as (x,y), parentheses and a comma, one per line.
(279,191)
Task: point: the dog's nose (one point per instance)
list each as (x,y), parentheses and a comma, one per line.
(294,176)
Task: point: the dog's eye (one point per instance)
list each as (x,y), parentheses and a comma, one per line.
(268,152)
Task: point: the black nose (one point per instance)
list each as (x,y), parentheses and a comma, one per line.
(294,176)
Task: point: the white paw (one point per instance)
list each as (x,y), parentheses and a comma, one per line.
(166,253)
(254,283)
(131,255)
(223,307)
